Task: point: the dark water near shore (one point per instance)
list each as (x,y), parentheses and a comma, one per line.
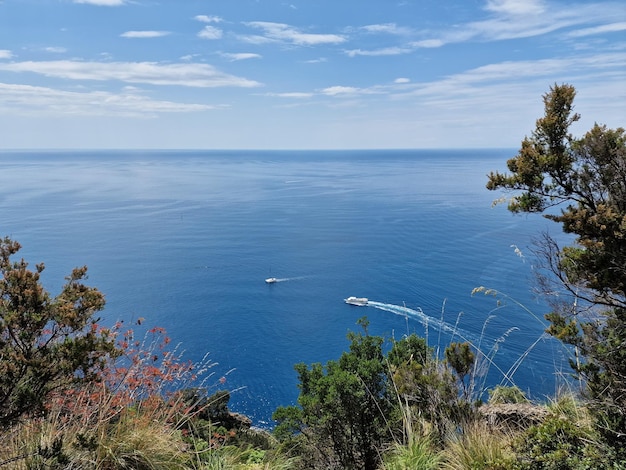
(185,240)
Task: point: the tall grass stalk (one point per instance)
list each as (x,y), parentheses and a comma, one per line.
(416,450)
(486,360)
(132,417)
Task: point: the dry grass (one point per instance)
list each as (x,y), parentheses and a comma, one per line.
(417,454)
(126,419)
(478,447)
(96,434)
(134,438)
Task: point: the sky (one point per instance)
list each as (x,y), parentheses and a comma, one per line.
(302,74)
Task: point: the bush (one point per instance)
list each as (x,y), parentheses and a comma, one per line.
(46,343)
(351,409)
(501,394)
(566,440)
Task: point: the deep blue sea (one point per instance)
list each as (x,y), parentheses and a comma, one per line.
(185,239)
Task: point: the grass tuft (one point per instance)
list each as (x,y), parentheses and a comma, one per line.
(478,447)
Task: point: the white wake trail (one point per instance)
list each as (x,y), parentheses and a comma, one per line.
(286,279)
(428,321)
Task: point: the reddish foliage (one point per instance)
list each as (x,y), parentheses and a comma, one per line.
(144,372)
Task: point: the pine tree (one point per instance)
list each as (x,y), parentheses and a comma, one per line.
(586,179)
(45,342)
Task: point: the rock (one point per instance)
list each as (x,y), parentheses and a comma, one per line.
(238,421)
(513,415)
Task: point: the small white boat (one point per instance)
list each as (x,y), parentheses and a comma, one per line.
(271,280)
(358,301)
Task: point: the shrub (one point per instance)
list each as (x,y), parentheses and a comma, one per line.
(566,440)
(586,281)
(46,343)
(351,409)
(343,405)
(501,394)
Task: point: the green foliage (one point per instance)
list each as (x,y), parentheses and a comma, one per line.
(408,350)
(425,384)
(351,409)
(418,454)
(502,394)
(50,457)
(345,402)
(461,358)
(478,447)
(238,458)
(587,177)
(291,422)
(560,443)
(45,342)
(543,161)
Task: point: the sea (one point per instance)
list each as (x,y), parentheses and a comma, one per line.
(184,240)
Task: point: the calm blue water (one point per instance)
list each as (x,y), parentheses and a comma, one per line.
(186,239)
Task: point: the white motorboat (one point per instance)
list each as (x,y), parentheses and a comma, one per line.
(271,280)
(358,301)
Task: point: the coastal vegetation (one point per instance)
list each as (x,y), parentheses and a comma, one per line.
(75,394)
(586,283)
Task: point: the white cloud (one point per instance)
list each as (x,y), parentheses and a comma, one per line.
(189,57)
(428,43)
(316,61)
(5,54)
(208,19)
(387,28)
(144,34)
(507,19)
(497,87)
(106,3)
(256,39)
(513,19)
(34,100)
(516,7)
(340,90)
(607,28)
(210,32)
(189,75)
(505,98)
(293,94)
(55,50)
(519,72)
(286,33)
(387,51)
(240,56)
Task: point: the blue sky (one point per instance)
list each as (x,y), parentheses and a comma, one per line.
(302,74)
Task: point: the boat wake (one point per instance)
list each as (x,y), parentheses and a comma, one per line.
(426,320)
(274,280)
